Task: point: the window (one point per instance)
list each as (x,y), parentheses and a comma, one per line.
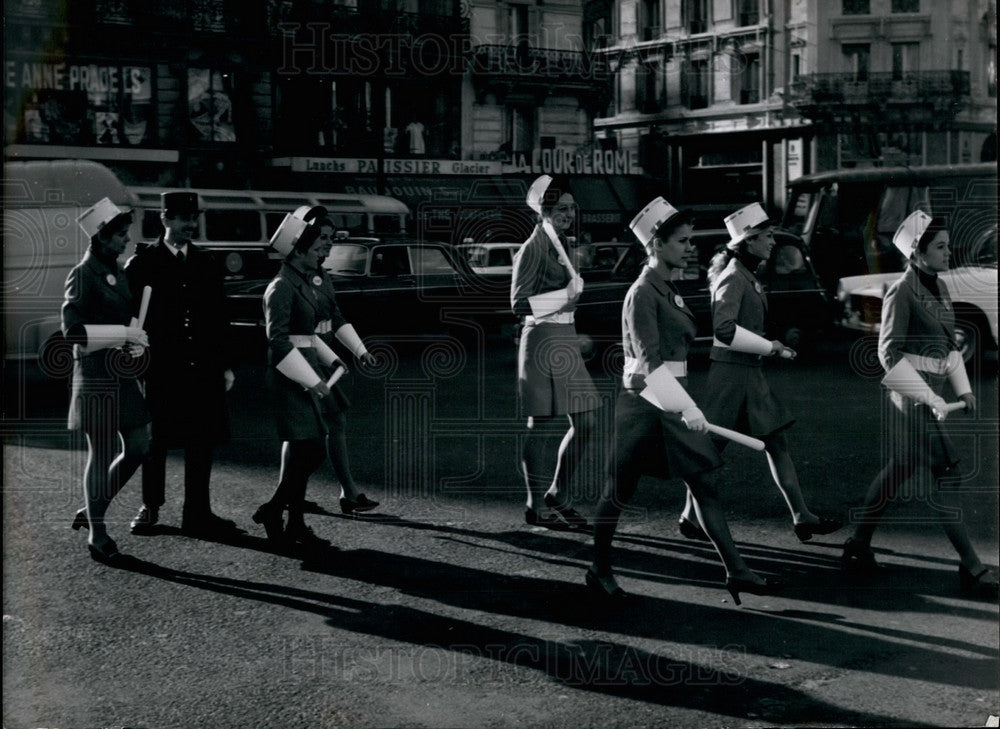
(855,7)
(210,104)
(905,60)
(232,225)
(695,82)
(346,258)
(645,88)
(746,70)
(748,12)
(517,20)
(695,15)
(856,56)
(520,128)
(390,261)
(430,261)
(650,28)
(906,6)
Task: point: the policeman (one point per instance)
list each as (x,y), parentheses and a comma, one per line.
(189,375)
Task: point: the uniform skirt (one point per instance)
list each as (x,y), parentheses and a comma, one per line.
(913,435)
(652,442)
(552,378)
(107,405)
(738,397)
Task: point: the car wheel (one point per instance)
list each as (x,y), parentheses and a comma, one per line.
(967,339)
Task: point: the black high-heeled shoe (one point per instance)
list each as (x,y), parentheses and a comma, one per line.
(859,558)
(806,531)
(357,505)
(982,584)
(105,552)
(269,517)
(80,521)
(551,521)
(567,513)
(606,591)
(690,530)
(736,585)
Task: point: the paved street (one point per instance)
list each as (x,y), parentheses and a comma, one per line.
(445,610)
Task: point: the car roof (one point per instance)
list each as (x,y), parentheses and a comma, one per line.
(878,174)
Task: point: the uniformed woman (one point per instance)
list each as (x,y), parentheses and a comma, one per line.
(657,330)
(738,396)
(106,403)
(296,356)
(916,346)
(333,325)
(554,387)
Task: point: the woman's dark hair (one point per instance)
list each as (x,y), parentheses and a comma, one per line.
(556,189)
(933,228)
(112,227)
(308,237)
(720,260)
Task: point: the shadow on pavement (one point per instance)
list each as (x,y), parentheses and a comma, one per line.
(601,666)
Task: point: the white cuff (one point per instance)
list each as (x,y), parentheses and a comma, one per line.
(904,379)
(350,339)
(746,341)
(665,392)
(957,374)
(103,336)
(326,355)
(295,367)
(543,305)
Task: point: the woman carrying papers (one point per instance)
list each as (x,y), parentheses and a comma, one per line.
(659,430)
(106,403)
(333,325)
(296,356)
(554,386)
(738,395)
(916,346)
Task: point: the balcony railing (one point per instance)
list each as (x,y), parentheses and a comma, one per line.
(926,87)
(545,65)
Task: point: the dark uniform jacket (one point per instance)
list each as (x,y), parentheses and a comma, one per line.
(97,293)
(188,343)
(657,327)
(738,298)
(293,306)
(537,270)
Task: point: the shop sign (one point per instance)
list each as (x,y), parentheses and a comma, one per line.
(369,166)
(565,161)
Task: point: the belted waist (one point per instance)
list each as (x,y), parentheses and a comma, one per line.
(676,368)
(301,340)
(565,317)
(324,327)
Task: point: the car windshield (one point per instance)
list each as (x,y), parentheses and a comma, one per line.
(346,258)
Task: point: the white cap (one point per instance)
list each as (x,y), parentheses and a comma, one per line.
(98,215)
(287,234)
(536,193)
(744,221)
(909,232)
(309,213)
(650,218)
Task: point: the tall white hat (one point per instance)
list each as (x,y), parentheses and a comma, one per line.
(536,193)
(288,234)
(910,231)
(743,223)
(650,218)
(98,215)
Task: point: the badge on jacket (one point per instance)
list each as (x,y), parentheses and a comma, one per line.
(756,285)
(110,278)
(317,281)
(678,301)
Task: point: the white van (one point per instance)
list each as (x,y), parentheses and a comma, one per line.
(238,224)
(42,242)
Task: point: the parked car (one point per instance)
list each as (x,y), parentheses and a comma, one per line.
(489,258)
(847,217)
(972,285)
(387,287)
(798,306)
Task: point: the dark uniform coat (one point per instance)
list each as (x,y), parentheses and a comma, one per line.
(552,378)
(188,344)
(105,393)
(292,308)
(737,395)
(657,327)
(330,321)
(914,321)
